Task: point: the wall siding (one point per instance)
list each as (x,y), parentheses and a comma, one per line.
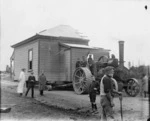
(21,59)
(65,65)
(49,60)
(54,61)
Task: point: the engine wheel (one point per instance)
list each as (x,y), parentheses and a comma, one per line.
(133,87)
(81,80)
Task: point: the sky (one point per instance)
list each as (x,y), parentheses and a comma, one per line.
(104,22)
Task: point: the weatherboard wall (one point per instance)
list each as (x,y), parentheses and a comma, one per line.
(21,58)
(55,59)
(49,59)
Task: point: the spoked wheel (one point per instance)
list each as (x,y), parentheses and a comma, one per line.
(81,80)
(133,87)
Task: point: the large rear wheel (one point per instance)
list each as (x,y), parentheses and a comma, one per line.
(133,87)
(81,80)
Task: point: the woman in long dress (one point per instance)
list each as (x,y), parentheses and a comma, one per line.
(21,82)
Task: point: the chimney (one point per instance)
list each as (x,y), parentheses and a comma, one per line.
(121,53)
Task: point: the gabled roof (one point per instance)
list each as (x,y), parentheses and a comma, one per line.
(62,31)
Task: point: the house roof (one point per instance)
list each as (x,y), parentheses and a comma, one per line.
(62,31)
(80,46)
(59,32)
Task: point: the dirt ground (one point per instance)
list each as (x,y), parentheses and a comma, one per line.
(64,105)
(28,109)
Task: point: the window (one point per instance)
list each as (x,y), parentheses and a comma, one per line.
(30,59)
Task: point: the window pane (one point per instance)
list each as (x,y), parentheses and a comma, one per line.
(30,65)
(30,55)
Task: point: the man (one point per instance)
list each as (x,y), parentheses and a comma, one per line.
(93,88)
(78,63)
(113,61)
(22,80)
(42,83)
(84,63)
(90,62)
(145,84)
(91,65)
(31,83)
(106,92)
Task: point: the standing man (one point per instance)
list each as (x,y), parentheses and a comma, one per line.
(106,94)
(91,65)
(31,83)
(145,84)
(78,63)
(42,83)
(90,62)
(22,80)
(84,63)
(113,61)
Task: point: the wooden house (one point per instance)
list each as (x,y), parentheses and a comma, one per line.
(55,51)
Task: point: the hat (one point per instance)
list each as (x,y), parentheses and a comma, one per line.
(30,71)
(108,68)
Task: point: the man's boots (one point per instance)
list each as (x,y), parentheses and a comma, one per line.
(92,107)
(95,107)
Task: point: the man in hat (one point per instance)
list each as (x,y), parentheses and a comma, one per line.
(42,83)
(31,83)
(106,94)
(21,83)
(78,63)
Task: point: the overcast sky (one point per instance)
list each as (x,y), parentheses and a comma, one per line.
(105,22)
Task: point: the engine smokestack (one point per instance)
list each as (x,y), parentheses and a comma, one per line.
(121,53)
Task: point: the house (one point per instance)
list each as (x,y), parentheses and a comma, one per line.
(55,51)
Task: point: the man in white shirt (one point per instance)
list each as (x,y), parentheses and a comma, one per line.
(106,92)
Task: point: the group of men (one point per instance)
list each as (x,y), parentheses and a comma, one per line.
(83,62)
(107,92)
(105,84)
(30,83)
(86,63)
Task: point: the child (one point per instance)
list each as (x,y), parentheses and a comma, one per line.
(94,86)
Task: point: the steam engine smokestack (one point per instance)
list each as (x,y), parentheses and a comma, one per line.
(121,53)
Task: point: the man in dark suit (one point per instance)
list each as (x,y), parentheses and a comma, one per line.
(31,83)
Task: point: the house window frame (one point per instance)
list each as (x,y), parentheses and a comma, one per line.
(30,68)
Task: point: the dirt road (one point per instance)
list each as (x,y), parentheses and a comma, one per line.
(28,109)
(64,105)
